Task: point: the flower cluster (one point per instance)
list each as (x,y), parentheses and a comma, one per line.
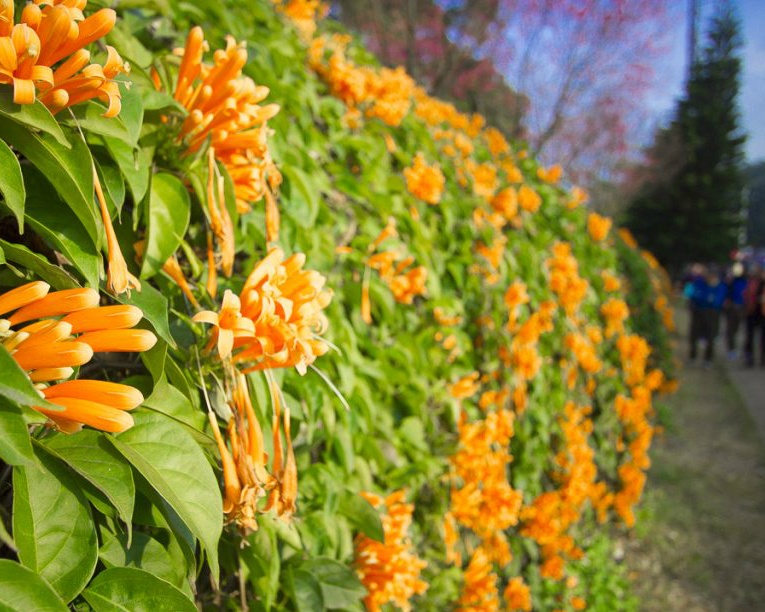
(565,281)
(277,319)
(390,570)
(44,56)
(225,108)
(61,331)
(424,181)
(598,226)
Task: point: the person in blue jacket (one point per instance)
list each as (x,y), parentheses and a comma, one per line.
(734,308)
(707,298)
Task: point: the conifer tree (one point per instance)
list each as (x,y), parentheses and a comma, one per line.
(689,207)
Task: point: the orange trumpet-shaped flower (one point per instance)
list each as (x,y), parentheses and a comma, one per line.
(86,412)
(390,570)
(598,226)
(47,35)
(49,350)
(225,107)
(285,303)
(21,296)
(119,278)
(229,323)
(121,397)
(104,317)
(424,181)
(119,340)
(56,303)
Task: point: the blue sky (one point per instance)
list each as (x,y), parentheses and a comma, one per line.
(671,71)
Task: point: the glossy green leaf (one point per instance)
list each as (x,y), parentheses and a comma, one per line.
(22,590)
(55,275)
(15,447)
(154,307)
(15,384)
(362,515)
(52,525)
(175,466)
(302,195)
(306,591)
(136,174)
(143,552)
(126,589)
(168,217)
(47,215)
(31,115)
(12,183)
(70,170)
(132,110)
(96,460)
(340,587)
(90,118)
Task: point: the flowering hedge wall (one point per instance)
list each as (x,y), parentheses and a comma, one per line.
(282,332)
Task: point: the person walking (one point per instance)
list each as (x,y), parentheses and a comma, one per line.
(755,315)
(735,312)
(696,290)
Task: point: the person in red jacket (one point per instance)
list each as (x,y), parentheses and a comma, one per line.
(754,304)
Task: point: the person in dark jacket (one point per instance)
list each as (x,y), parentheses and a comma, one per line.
(755,315)
(735,312)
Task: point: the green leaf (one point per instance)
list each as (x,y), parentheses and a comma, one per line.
(154,307)
(21,590)
(47,214)
(168,217)
(52,525)
(55,275)
(15,384)
(131,113)
(340,586)
(15,447)
(176,467)
(31,115)
(12,183)
(301,195)
(90,118)
(362,515)
(93,458)
(70,170)
(136,174)
(306,591)
(126,589)
(144,552)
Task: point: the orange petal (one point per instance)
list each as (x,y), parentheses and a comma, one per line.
(57,303)
(121,397)
(21,296)
(90,413)
(49,334)
(50,374)
(104,317)
(119,340)
(56,355)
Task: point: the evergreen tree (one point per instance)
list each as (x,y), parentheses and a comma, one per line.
(689,208)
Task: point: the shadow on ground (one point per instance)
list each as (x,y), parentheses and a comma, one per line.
(700,546)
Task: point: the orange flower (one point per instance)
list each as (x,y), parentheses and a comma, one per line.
(479,593)
(615,312)
(528,199)
(119,278)
(506,203)
(225,107)
(390,570)
(550,175)
(424,181)
(48,351)
(228,324)
(465,387)
(598,226)
(518,595)
(285,304)
(46,36)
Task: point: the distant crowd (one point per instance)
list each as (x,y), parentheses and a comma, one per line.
(735,296)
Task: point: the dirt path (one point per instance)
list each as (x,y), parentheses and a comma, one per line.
(700,546)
